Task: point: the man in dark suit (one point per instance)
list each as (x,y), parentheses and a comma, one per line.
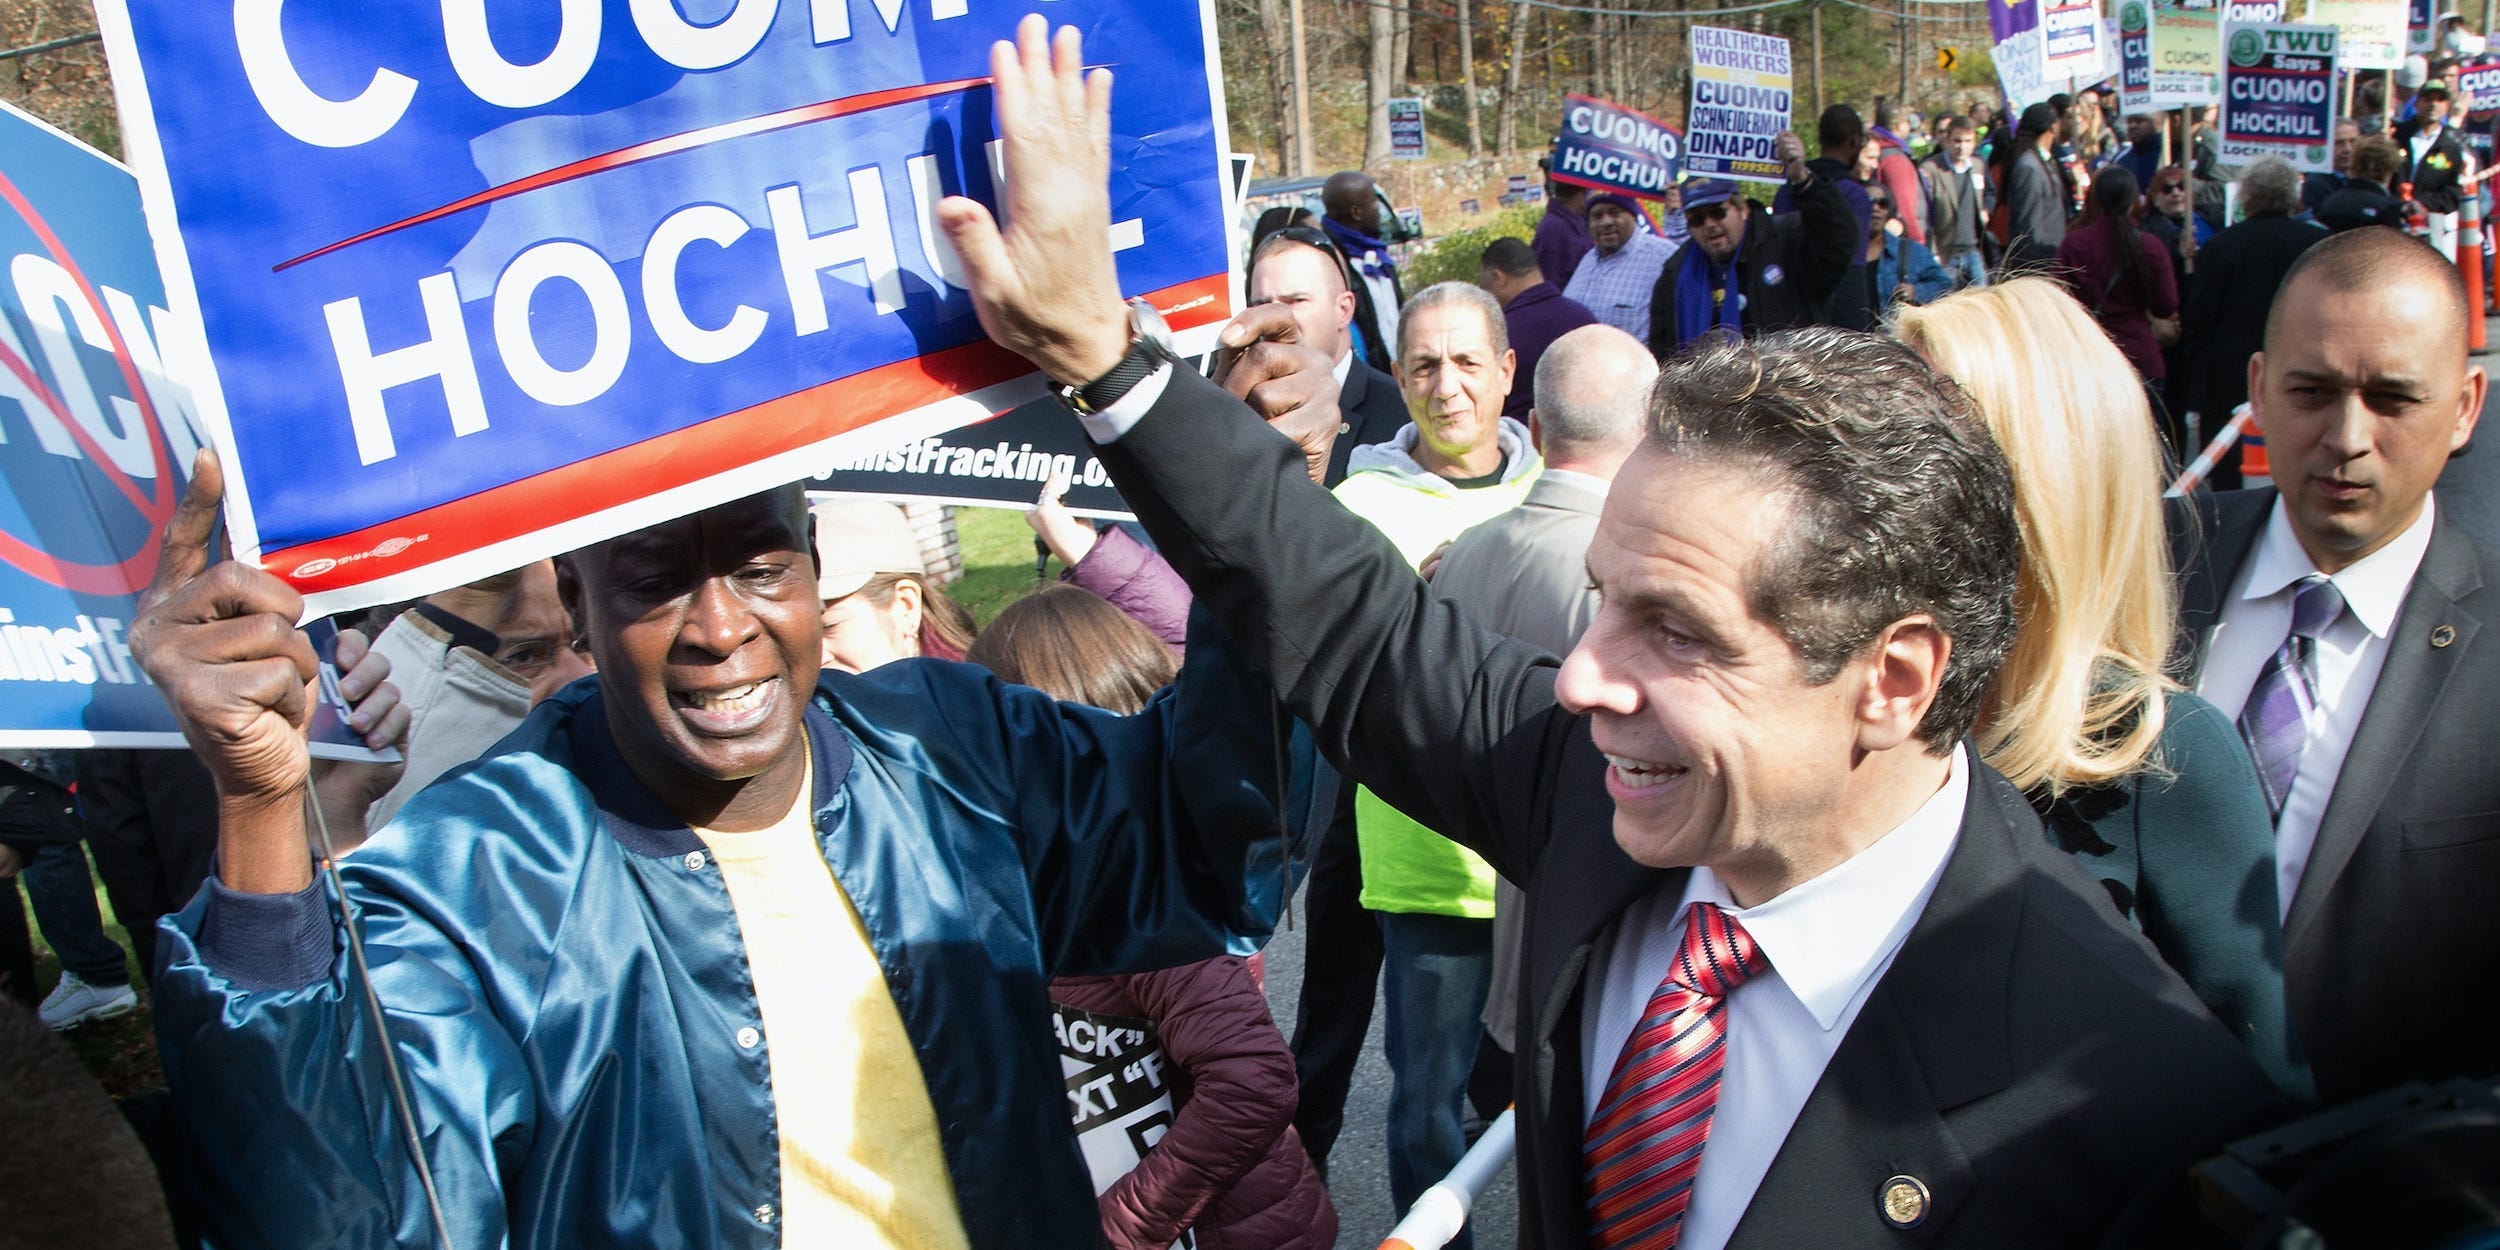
(1299,268)
(2434,156)
(1760,861)
(2388,812)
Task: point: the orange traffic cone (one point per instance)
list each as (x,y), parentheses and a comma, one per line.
(2254,471)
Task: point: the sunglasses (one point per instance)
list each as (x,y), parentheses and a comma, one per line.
(1705,213)
(2168,187)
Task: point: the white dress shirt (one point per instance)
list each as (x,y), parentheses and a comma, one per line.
(1828,940)
(2257,617)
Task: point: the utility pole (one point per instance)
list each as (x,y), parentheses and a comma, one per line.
(1902,24)
(1467,76)
(1301,96)
(1816,15)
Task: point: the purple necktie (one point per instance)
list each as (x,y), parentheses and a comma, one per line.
(2275,720)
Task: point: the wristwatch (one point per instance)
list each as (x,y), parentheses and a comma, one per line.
(1149,347)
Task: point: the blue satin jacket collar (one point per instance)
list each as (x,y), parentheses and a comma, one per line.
(566,986)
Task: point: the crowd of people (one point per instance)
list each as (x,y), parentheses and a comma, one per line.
(1732,688)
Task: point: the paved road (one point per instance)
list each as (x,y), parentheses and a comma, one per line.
(1359,1166)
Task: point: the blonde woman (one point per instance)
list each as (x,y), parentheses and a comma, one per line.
(2148,784)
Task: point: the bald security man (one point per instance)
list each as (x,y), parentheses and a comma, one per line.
(2338,615)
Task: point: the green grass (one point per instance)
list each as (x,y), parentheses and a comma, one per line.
(120,1053)
(998,560)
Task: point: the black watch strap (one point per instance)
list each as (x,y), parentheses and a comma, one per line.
(1145,355)
(1149,348)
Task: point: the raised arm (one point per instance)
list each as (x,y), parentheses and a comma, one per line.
(1403,692)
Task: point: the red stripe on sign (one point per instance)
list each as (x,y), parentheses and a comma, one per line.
(653,149)
(704,450)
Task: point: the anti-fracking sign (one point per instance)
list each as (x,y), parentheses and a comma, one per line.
(2278,94)
(476,292)
(96,442)
(1741,96)
(1604,145)
(1000,462)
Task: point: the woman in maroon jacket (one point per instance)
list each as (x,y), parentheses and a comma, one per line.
(1227,1167)
(2121,273)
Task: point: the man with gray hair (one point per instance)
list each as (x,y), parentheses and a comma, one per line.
(1523,573)
(2237,275)
(1459,462)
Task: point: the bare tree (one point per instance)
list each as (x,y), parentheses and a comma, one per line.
(1383,83)
(1514,55)
(1467,76)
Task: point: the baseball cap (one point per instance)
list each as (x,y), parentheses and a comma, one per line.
(1617,199)
(859,539)
(1703,192)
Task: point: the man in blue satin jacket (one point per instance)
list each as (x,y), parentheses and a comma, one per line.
(620,1018)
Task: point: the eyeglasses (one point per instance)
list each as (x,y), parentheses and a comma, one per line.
(2168,187)
(1705,213)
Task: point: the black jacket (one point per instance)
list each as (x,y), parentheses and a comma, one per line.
(2034,202)
(2225,311)
(1787,267)
(36,807)
(2026,1057)
(2435,177)
(2392,930)
(2359,204)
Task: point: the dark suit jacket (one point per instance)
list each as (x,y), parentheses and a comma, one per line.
(2395,926)
(2436,175)
(2225,319)
(1374,411)
(2027,1056)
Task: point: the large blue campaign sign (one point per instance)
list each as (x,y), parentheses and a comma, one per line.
(96,441)
(1609,147)
(480,288)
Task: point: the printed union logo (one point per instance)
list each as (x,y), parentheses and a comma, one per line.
(2133,17)
(2247,48)
(393,546)
(314,568)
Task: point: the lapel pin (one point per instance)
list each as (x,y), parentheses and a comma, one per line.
(2443,635)
(1904,1201)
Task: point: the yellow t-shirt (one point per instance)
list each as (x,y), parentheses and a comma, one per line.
(861,1161)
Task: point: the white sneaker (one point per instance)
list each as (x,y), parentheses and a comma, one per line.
(74,1002)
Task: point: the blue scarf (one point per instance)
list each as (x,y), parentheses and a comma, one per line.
(1696,314)
(1369,256)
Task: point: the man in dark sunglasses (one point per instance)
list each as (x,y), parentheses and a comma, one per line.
(1751,272)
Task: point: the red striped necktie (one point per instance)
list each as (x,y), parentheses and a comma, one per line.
(1644,1144)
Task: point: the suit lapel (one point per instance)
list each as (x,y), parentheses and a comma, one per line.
(2211,536)
(2409,685)
(1583,882)
(1932,1037)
